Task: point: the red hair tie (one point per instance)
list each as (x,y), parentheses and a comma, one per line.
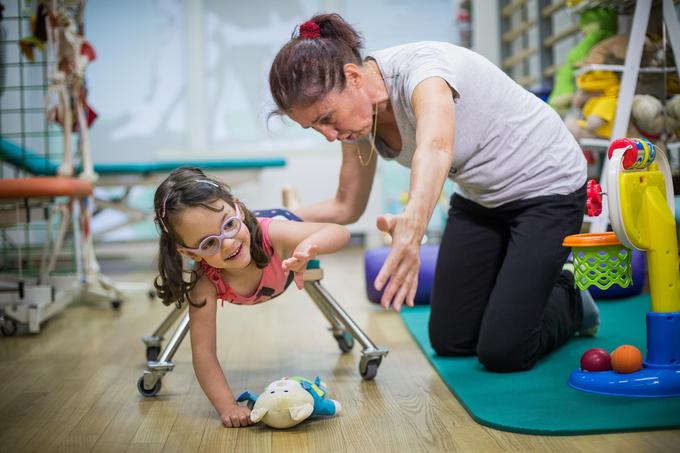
(310,30)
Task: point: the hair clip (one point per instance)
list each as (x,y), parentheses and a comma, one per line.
(310,30)
(165,200)
(160,218)
(207,181)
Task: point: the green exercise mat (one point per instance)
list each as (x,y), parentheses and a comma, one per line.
(539,401)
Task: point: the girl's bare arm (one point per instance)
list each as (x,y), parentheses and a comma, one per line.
(202,330)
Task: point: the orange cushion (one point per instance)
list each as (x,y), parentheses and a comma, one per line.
(48,186)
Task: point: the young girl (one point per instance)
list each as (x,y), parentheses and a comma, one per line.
(239,258)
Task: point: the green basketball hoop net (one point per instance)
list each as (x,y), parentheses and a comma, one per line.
(600,260)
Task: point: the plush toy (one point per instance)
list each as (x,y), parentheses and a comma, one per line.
(654,120)
(648,116)
(596,99)
(596,24)
(673,112)
(597,92)
(289,401)
(612,51)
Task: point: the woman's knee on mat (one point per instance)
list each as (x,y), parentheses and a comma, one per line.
(446,342)
(505,356)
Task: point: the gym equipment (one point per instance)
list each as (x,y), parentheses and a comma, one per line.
(343,329)
(132,174)
(29,297)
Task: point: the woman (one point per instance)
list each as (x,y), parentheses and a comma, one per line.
(446,112)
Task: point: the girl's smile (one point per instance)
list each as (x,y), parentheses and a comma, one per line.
(197,223)
(236,253)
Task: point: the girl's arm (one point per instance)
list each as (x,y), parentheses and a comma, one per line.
(302,241)
(434,109)
(202,331)
(354,189)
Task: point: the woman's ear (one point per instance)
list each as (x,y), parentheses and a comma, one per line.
(353,75)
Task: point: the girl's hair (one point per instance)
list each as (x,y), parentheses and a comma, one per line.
(189,187)
(312,63)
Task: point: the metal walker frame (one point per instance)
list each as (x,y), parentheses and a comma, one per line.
(343,328)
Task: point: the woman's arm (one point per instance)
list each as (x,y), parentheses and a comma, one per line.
(202,331)
(354,188)
(435,130)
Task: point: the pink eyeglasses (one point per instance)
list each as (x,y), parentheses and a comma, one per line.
(211,244)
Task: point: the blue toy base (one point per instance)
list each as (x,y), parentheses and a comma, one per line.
(648,382)
(660,373)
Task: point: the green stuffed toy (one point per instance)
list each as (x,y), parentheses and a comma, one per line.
(596,25)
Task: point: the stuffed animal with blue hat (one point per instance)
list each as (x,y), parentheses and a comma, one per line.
(288,401)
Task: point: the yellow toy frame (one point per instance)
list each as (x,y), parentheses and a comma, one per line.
(641,209)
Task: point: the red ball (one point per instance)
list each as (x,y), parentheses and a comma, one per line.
(596,359)
(626,359)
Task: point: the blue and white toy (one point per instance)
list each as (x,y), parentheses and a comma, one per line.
(288,401)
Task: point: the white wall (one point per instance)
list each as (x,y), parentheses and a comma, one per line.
(187,79)
(486,29)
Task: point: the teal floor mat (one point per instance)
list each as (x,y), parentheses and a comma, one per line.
(539,401)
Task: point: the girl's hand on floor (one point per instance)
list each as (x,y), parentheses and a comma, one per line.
(236,417)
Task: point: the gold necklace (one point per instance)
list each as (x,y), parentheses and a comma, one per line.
(372,137)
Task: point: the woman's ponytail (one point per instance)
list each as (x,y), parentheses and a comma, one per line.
(312,63)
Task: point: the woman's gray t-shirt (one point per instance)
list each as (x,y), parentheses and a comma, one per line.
(509,144)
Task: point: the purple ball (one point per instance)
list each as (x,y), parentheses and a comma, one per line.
(374,259)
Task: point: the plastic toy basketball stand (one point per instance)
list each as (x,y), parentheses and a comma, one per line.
(642,214)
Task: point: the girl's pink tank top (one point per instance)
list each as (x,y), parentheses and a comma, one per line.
(273,282)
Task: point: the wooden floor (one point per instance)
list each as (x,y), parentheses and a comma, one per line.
(73,386)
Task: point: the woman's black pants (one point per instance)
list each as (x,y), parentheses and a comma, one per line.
(499,290)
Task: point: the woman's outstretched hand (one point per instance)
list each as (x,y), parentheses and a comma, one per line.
(399,273)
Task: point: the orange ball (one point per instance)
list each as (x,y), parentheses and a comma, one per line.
(626,359)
